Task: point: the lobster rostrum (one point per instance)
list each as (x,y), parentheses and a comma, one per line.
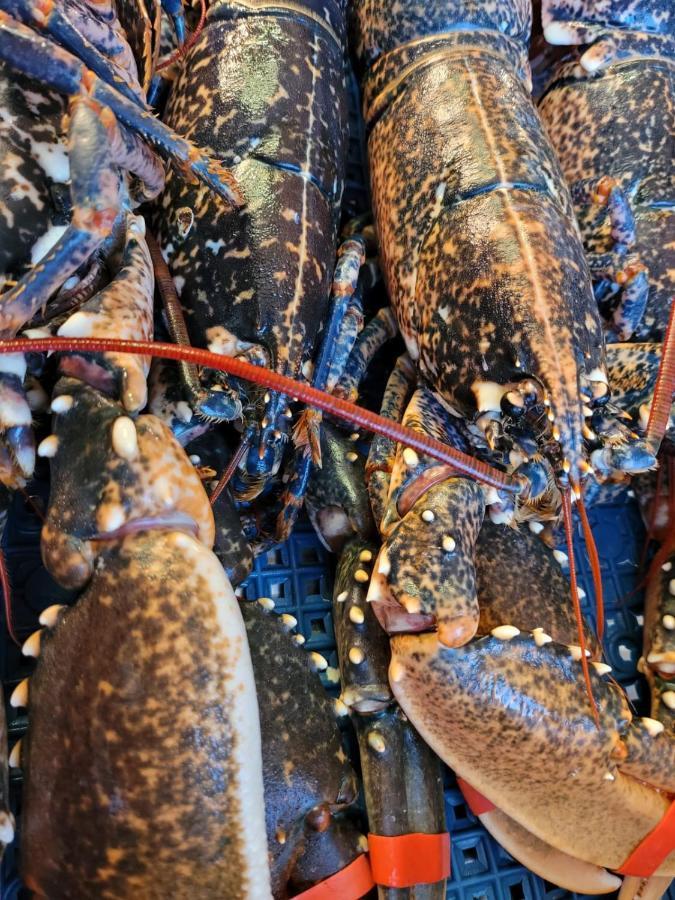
(609,107)
(68,189)
(264,89)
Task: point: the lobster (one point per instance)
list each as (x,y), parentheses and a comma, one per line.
(487,275)
(608,106)
(256,284)
(66,199)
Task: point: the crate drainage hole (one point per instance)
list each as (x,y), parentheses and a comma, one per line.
(516,891)
(318,626)
(470,854)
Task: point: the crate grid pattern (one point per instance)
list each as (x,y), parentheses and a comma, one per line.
(298,577)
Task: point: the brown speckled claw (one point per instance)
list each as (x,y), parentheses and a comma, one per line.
(527,662)
(401,776)
(170,800)
(131,474)
(424,575)
(310,787)
(123,310)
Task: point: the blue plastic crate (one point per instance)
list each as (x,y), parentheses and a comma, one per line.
(298,577)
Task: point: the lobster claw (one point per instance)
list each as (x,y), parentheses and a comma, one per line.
(424,574)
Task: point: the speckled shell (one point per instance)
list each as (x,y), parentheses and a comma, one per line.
(620,122)
(264,90)
(33,164)
(142,763)
(481,253)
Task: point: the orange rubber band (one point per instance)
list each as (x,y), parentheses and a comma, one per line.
(653,849)
(350,883)
(477,803)
(404,860)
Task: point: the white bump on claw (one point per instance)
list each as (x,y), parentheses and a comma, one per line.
(62,403)
(266,602)
(505,632)
(428,515)
(609,777)
(194,459)
(19,698)
(575,651)
(356,655)
(540,637)
(354,436)
(31,646)
(666,567)
(376,742)
(365,556)
(396,671)
(318,662)
(449,544)
(536,527)
(351,456)
(299,639)
(410,458)
(48,447)
(49,616)
(332,675)
(356,615)
(288,621)
(124,438)
(342,596)
(384,564)
(361,576)
(653,727)
(15,756)
(668,698)
(561,558)
(110,517)
(601,668)
(581,593)
(668,622)
(7,827)
(339,708)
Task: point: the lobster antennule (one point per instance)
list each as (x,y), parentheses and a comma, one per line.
(567,520)
(592,551)
(274,381)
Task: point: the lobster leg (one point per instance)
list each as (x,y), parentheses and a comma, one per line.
(87,36)
(658,662)
(17,444)
(95,193)
(381,328)
(26,52)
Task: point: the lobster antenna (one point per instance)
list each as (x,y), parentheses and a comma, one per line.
(274,381)
(230,469)
(594,559)
(659,412)
(7,598)
(576,604)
